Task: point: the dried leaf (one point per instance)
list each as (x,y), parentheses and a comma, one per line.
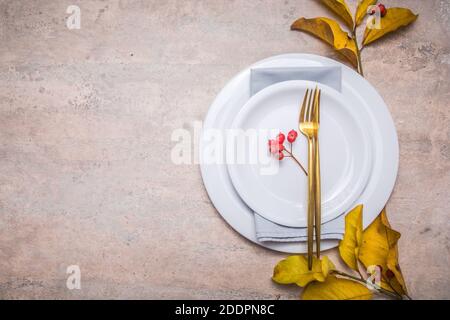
(329,31)
(294,269)
(394,19)
(336,289)
(379,247)
(349,245)
(361,11)
(340,7)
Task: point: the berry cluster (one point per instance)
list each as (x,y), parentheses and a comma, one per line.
(276,147)
(382,9)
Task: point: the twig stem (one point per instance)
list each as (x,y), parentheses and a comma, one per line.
(380,290)
(358,52)
(295,159)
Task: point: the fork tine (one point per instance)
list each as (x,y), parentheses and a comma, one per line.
(308,106)
(314,117)
(305,119)
(302,111)
(318,107)
(311,105)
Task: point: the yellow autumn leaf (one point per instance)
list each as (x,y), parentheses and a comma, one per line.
(329,31)
(361,10)
(379,247)
(334,288)
(327,266)
(394,19)
(340,7)
(294,269)
(349,245)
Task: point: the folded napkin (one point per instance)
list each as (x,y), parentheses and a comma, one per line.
(267,230)
(261,78)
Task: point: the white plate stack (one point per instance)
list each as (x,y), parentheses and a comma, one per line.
(359,154)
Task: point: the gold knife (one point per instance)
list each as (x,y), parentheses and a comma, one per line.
(317,193)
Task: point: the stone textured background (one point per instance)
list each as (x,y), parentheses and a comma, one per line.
(85,123)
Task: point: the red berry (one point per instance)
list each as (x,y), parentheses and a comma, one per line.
(273,146)
(280,155)
(292,135)
(280,137)
(383,9)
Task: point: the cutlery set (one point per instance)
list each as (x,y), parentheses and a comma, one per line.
(308,124)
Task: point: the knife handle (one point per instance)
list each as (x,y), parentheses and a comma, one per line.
(317,196)
(311,202)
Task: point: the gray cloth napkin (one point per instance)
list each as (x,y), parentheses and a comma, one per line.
(261,78)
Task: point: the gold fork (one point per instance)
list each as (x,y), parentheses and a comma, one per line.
(309,128)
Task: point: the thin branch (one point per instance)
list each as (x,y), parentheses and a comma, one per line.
(380,290)
(296,160)
(358,53)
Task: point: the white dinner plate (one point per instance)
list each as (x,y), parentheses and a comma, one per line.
(280,195)
(358,91)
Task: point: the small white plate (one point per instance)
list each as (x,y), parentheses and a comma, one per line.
(280,195)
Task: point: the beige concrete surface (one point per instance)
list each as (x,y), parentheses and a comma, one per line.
(86,118)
